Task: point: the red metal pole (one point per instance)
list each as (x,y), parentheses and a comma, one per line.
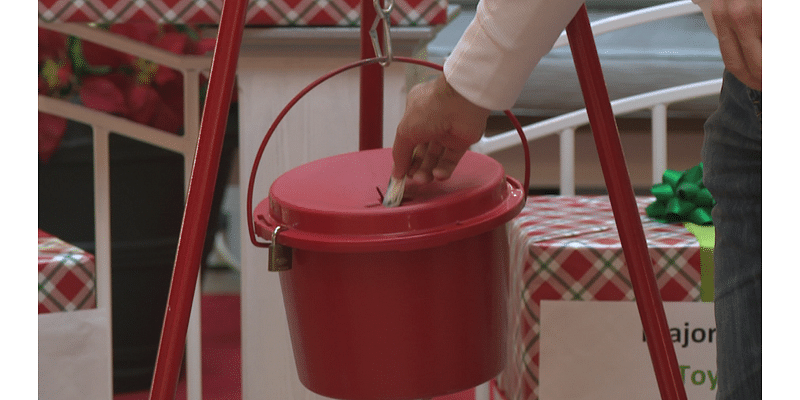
(198,201)
(371,85)
(623,203)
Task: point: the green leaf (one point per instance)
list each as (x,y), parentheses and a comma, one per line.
(188,31)
(75,51)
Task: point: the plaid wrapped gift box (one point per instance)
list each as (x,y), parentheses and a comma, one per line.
(66,276)
(259,12)
(568,248)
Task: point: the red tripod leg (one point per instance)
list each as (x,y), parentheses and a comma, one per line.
(198,201)
(623,203)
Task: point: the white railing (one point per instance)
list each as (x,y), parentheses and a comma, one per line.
(657,102)
(103,125)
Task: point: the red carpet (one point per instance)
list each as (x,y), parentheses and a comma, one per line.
(221,336)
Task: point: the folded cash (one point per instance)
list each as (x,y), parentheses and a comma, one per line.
(394,193)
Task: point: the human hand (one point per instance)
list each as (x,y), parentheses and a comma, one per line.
(738,24)
(436,130)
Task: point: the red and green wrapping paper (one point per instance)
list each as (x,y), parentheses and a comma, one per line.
(568,248)
(66,276)
(259,12)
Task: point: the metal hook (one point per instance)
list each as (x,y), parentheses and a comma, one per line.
(382,15)
(280,256)
(383,11)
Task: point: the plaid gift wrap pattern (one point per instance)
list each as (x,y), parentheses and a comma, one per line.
(568,248)
(66,276)
(259,12)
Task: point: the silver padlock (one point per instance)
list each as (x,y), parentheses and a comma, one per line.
(280,256)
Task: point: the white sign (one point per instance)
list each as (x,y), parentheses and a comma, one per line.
(75,355)
(597,350)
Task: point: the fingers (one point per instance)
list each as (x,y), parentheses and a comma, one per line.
(738,24)
(429,155)
(413,133)
(447,163)
(436,130)
(433,161)
(402,153)
(430,161)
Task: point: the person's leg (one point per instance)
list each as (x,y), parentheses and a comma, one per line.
(732,172)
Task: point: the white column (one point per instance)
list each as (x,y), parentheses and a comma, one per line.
(659,126)
(567,162)
(102,226)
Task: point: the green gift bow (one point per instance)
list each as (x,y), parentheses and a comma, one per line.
(682,198)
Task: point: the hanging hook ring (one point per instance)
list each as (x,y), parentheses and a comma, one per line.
(385,54)
(383,12)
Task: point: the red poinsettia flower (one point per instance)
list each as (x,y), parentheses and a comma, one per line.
(98,55)
(56,74)
(203,46)
(147,106)
(43,87)
(112,81)
(168,119)
(172,106)
(105,93)
(52,45)
(142,101)
(51,129)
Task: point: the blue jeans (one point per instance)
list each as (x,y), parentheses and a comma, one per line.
(732,172)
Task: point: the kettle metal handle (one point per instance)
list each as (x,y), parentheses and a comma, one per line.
(280,258)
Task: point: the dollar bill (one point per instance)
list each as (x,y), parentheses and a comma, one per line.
(394,193)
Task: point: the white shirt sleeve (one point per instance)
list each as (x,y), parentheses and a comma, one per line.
(500,48)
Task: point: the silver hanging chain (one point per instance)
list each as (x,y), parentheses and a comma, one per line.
(382,15)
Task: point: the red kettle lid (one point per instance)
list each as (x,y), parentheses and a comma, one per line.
(334,204)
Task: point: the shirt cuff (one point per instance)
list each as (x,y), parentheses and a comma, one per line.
(492,61)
